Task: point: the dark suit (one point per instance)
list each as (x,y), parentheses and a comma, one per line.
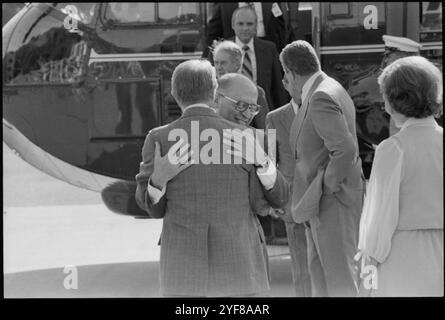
(269,73)
(279,30)
(259,121)
(323,141)
(211,244)
(281,120)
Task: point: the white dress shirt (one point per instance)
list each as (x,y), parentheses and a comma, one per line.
(260,30)
(251,53)
(295,106)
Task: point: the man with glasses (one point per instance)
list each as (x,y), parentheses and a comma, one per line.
(239,111)
(227,58)
(235,101)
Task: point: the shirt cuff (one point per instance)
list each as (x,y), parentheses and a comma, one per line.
(154,193)
(267,175)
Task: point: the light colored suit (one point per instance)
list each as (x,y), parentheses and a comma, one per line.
(211,244)
(324,143)
(281,120)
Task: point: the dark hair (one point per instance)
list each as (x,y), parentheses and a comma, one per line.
(413,87)
(300,57)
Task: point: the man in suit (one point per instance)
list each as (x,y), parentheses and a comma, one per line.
(257,52)
(210,242)
(281,120)
(227,57)
(277,21)
(328,184)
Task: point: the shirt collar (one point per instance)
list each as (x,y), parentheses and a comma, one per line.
(307,86)
(428,122)
(295,106)
(202,105)
(241,44)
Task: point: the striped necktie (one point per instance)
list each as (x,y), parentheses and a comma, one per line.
(247,64)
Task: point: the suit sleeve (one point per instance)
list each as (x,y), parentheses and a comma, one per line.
(145,170)
(258,201)
(279,94)
(329,123)
(278,196)
(272,150)
(214,28)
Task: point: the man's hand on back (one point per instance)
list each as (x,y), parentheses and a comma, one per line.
(177,159)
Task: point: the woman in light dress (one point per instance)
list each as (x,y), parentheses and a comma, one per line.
(401,228)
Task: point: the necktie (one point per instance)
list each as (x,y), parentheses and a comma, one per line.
(247,64)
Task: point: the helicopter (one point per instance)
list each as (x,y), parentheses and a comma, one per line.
(83,83)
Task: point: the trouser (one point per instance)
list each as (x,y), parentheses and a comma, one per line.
(332,238)
(296,238)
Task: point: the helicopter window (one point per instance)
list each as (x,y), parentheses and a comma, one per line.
(430,21)
(151,12)
(339,10)
(344,24)
(177,12)
(128,12)
(82,11)
(45,52)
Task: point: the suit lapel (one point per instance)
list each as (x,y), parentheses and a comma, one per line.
(297,124)
(260,58)
(287,118)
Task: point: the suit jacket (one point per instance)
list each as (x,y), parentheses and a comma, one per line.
(259,121)
(280,30)
(210,242)
(281,120)
(323,138)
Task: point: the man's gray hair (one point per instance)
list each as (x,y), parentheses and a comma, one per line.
(300,57)
(232,49)
(194,81)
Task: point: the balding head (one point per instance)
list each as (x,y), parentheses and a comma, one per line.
(238,87)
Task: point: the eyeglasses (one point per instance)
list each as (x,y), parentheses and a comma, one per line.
(242,106)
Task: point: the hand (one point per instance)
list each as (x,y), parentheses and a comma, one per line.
(276,213)
(367,268)
(362,292)
(168,166)
(253,152)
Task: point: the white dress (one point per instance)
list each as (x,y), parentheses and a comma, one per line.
(402,221)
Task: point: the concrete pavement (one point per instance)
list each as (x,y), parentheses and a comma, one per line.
(49,225)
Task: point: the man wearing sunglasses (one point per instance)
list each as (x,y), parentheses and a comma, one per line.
(227,58)
(242,112)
